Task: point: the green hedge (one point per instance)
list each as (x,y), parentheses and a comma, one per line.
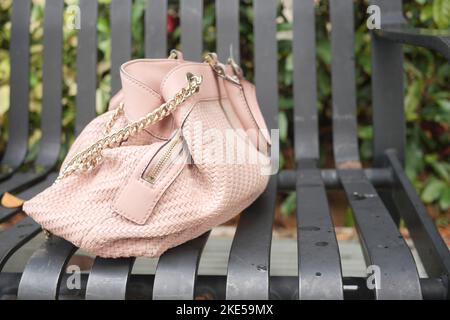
(427,94)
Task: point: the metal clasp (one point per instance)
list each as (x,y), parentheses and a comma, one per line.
(218,68)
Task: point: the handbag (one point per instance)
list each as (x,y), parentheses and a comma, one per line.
(182,148)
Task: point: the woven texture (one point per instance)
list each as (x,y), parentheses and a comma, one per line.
(206,193)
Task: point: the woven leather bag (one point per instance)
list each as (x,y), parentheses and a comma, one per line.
(183,148)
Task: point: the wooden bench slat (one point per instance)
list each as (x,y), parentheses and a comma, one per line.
(176,272)
(249,261)
(42,276)
(86,65)
(108,279)
(227,26)
(17,145)
(432,249)
(120,12)
(191,12)
(156,29)
(382,243)
(319,264)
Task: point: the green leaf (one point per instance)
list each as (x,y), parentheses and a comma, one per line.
(289,204)
(426,13)
(412,100)
(289,66)
(433,190)
(348,219)
(286,103)
(324,51)
(444,201)
(4,99)
(442,169)
(444,104)
(281,161)
(283,126)
(365,132)
(414,160)
(441,13)
(366,149)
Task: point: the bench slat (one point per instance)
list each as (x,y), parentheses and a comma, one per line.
(6,213)
(383,246)
(176,273)
(51,115)
(389,125)
(345,140)
(305,81)
(86,65)
(17,145)
(120,12)
(432,249)
(191,12)
(42,276)
(266,60)
(249,261)
(19,182)
(50,143)
(156,29)
(108,279)
(17,235)
(319,265)
(227,25)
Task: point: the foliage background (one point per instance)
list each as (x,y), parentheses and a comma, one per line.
(427,92)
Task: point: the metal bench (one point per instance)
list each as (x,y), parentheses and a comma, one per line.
(378,196)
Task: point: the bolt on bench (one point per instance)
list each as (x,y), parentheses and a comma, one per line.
(378,196)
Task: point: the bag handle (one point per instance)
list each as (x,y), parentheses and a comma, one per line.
(90,157)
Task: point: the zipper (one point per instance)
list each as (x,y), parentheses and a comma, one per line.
(154,170)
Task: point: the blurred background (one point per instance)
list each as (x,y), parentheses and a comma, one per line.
(427,91)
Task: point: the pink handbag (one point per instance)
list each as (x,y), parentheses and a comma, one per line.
(183,148)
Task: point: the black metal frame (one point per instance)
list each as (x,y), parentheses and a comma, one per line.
(379,196)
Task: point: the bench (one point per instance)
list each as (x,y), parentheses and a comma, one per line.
(379,196)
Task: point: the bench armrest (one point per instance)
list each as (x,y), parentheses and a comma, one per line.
(437,40)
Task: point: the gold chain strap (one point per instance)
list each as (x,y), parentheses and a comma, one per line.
(91,156)
(118,112)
